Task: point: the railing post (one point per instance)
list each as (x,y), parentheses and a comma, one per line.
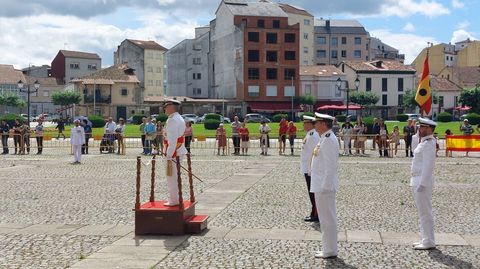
(137,192)
(190,178)
(179,181)
(152,181)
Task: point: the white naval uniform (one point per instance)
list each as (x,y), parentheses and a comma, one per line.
(415,141)
(309,142)
(174,128)
(77,139)
(264,130)
(325,185)
(423,164)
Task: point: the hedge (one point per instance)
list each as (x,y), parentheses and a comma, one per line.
(162,117)
(137,119)
(278,117)
(473,118)
(213,117)
(10,118)
(444,117)
(211,124)
(341,118)
(97,121)
(402,117)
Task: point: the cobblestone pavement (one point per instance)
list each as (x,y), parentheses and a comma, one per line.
(374,196)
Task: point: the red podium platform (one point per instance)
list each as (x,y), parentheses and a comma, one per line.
(155,218)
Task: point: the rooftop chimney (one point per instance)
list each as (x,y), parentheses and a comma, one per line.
(327,24)
(378,64)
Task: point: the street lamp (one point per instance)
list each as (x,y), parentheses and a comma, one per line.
(36,86)
(339,85)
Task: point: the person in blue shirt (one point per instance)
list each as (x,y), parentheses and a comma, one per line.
(150,135)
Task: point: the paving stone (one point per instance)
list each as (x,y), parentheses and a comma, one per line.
(215,232)
(162,241)
(116,263)
(239,233)
(473,240)
(92,230)
(57,229)
(399,238)
(120,230)
(363,236)
(285,234)
(450,239)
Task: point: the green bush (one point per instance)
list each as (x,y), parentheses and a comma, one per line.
(444,117)
(402,117)
(311,114)
(213,117)
(473,118)
(368,121)
(97,121)
(211,124)
(341,118)
(137,119)
(278,117)
(10,118)
(162,117)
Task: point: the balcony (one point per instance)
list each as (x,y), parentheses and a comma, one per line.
(100,99)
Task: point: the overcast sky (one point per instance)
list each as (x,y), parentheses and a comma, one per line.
(32,31)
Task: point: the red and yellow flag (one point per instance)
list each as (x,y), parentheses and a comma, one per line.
(424,93)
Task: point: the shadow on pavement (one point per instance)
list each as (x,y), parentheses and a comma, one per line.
(337,263)
(450,261)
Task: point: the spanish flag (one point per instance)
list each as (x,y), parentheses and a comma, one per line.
(424,93)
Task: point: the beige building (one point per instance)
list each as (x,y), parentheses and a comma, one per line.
(320,82)
(470,55)
(440,56)
(114,91)
(41,101)
(306,22)
(340,40)
(465,77)
(147,59)
(389,80)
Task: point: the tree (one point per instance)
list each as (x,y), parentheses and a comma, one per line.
(304,100)
(66,98)
(364,98)
(471,98)
(11,99)
(409,99)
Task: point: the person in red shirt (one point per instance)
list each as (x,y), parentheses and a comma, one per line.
(282,135)
(292,134)
(244,138)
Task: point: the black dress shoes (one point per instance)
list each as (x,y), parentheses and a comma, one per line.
(310,219)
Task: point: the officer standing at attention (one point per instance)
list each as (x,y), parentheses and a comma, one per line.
(174,145)
(325,184)
(422,182)
(309,143)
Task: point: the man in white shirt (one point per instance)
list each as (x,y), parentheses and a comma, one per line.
(422,181)
(325,184)
(309,143)
(174,145)
(264,129)
(77,139)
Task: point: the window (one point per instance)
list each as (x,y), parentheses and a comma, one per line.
(197,47)
(158,83)
(308,89)
(306,22)
(159,70)
(344,40)
(271,38)
(197,76)
(289,38)
(276,24)
(74,66)
(271,73)
(400,84)
(334,54)
(271,90)
(289,91)
(384,84)
(357,54)
(253,91)
(334,41)
(158,55)
(124,92)
(197,61)
(440,101)
(290,73)
(368,86)
(358,40)
(92,67)
(150,54)
(271,56)
(321,40)
(290,55)
(253,73)
(197,91)
(150,82)
(46,93)
(305,49)
(261,23)
(344,54)
(253,56)
(384,99)
(305,36)
(321,54)
(253,36)
(400,99)
(150,69)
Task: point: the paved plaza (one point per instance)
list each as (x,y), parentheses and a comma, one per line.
(57,215)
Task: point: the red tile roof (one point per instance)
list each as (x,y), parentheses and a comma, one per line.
(110,75)
(320,70)
(80,54)
(10,75)
(379,66)
(152,45)
(294,10)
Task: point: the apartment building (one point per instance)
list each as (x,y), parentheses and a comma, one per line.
(147,59)
(320,82)
(9,77)
(466,77)
(440,56)
(381,51)
(340,40)
(41,101)
(68,65)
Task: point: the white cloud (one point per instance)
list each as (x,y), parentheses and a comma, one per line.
(409,27)
(463,25)
(457,4)
(36,40)
(406,8)
(409,44)
(461,35)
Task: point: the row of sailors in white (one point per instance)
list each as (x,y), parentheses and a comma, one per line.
(319,158)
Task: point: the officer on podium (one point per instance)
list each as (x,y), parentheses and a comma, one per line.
(422,181)
(309,143)
(325,184)
(174,146)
